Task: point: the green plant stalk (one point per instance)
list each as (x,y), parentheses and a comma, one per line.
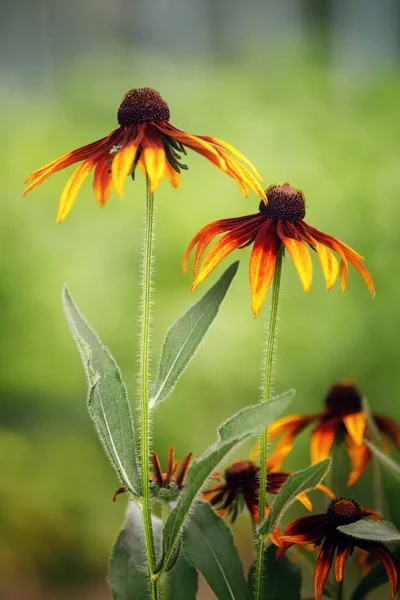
(144,360)
(164,516)
(268,379)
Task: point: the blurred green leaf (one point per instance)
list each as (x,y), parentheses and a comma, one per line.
(107,402)
(281,577)
(373,531)
(208,543)
(375,578)
(128,576)
(182,580)
(385,460)
(251,420)
(185,336)
(302,481)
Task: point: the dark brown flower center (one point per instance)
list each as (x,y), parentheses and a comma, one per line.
(140,105)
(241,475)
(343,511)
(344,398)
(284,203)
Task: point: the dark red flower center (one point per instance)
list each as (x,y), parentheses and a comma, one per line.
(344,398)
(343,511)
(284,203)
(140,105)
(241,475)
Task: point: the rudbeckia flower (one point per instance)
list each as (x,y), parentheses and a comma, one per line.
(165,486)
(343,417)
(279,225)
(241,486)
(322,530)
(147,139)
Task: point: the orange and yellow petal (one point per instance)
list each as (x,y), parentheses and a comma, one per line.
(262,264)
(360,457)
(305,500)
(275,461)
(174,178)
(72,188)
(356,424)
(124,159)
(154,156)
(380,552)
(322,568)
(322,439)
(236,153)
(341,557)
(298,251)
(290,426)
(102,182)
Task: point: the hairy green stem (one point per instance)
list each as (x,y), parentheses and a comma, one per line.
(268,378)
(144,359)
(164,516)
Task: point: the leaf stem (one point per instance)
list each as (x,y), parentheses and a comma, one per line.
(268,379)
(144,360)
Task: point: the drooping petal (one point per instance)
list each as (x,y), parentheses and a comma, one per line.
(290,426)
(232,150)
(356,424)
(183,470)
(173,176)
(262,264)
(386,558)
(322,439)
(305,500)
(342,553)
(242,176)
(102,182)
(275,481)
(388,427)
(307,530)
(123,160)
(154,156)
(298,251)
(274,462)
(216,491)
(72,188)
(323,488)
(323,566)
(360,457)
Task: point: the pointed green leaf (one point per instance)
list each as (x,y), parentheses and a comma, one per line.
(107,402)
(208,544)
(247,422)
(385,460)
(185,336)
(299,482)
(281,577)
(128,576)
(373,531)
(182,580)
(375,578)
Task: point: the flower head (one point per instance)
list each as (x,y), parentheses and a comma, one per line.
(241,486)
(343,418)
(278,225)
(322,530)
(166,486)
(147,139)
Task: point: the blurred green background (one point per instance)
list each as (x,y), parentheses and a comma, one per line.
(310,106)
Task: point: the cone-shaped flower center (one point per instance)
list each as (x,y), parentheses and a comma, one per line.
(140,105)
(343,511)
(344,398)
(241,474)
(284,203)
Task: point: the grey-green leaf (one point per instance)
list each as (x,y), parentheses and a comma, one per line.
(247,422)
(375,578)
(182,580)
(299,482)
(185,336)
(373,531)
(108,403)
(128,577)
(281,577)
(385,460)
(208,544)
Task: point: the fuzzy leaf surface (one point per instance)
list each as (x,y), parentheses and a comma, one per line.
(182,580)
(374,531)
(208,544)
(107,401)
(249,421)
(281,577)
(299,482)
(185,336)
(128,577)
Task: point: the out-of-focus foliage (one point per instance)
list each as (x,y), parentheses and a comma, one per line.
(337,140)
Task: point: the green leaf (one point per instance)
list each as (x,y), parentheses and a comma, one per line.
(385,460)
(281,577)
(373,531)
(182,580)
(302,481)
(107,402)
(128,577)
(375,578)
(185,336)
(208,544)
(247,422)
